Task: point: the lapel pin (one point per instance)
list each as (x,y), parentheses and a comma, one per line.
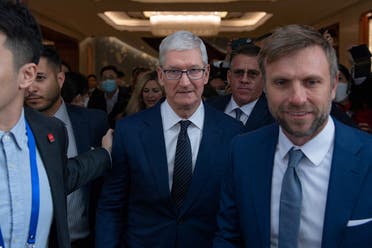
(51,138)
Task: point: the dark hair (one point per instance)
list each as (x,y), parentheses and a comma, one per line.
(23,36)
(75,84)
(108,67)
(52,56)
(344,71)
(120,74)
(246,49)
(291,39)
(91,76)
(64,63)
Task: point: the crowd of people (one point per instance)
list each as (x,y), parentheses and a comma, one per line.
(273,150)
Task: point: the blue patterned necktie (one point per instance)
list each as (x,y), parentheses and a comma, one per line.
(182,173)
(238,113)
(290,203)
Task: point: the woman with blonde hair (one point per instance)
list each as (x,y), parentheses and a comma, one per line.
(147,93)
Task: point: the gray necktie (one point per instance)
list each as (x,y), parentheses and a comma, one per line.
(290,203)
(182,165)
(238,113)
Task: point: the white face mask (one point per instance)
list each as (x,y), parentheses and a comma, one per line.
(341,92)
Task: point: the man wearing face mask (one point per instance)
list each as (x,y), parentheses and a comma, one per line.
(109,96)
(342,91)
(361,87)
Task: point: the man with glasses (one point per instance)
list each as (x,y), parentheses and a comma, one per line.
(247,103)
(169,160)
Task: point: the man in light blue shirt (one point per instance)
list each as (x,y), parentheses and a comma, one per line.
(35,173)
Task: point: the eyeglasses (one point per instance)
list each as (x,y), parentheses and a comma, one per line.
(192,74)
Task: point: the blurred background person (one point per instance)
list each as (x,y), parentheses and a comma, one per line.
(109,96)
(146,94)
(65,67)
(361,87)
(136,73)
(218,83)
(92,83)
(121,79)
(75,89)
(343,89)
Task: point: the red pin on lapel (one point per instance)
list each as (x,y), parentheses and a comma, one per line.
(51,138)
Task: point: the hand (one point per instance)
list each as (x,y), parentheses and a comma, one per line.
(365,127)
(107,140)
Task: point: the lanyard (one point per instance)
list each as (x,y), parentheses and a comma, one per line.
(35,192)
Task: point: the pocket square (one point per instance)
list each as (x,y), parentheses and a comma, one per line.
(351,223)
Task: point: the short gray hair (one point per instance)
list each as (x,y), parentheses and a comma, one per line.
(293,38)
(180,41)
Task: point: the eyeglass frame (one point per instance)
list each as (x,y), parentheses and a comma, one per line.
(187,71)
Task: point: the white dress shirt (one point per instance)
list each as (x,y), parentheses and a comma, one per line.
(171,129)
(246,109)
(313,172)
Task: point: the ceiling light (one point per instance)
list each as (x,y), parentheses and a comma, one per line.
(162,23)
(184,1)
(200,23)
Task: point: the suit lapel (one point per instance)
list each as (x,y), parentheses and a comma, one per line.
(261,176)
(49,151)
(346,177)
(258,115)
(152,139)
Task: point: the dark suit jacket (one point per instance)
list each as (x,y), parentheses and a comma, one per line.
(136,199)
(244,219)
(98,101)
(89,126)
(64,175)
(259,117)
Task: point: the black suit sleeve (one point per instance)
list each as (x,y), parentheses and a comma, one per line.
(86,167)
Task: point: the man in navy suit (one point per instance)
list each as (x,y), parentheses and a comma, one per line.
(85,129)
(245,79)
(165,184)
(324,198)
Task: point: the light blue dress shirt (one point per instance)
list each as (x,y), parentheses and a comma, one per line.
(15,190)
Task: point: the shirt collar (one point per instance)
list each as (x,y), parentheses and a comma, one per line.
(172,119)
(18,132)
(311,149)
(62,114)
(247,108)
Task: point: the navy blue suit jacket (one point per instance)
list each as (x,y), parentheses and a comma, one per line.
(244,219)
(259,117)
(89,126)
(136,204)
